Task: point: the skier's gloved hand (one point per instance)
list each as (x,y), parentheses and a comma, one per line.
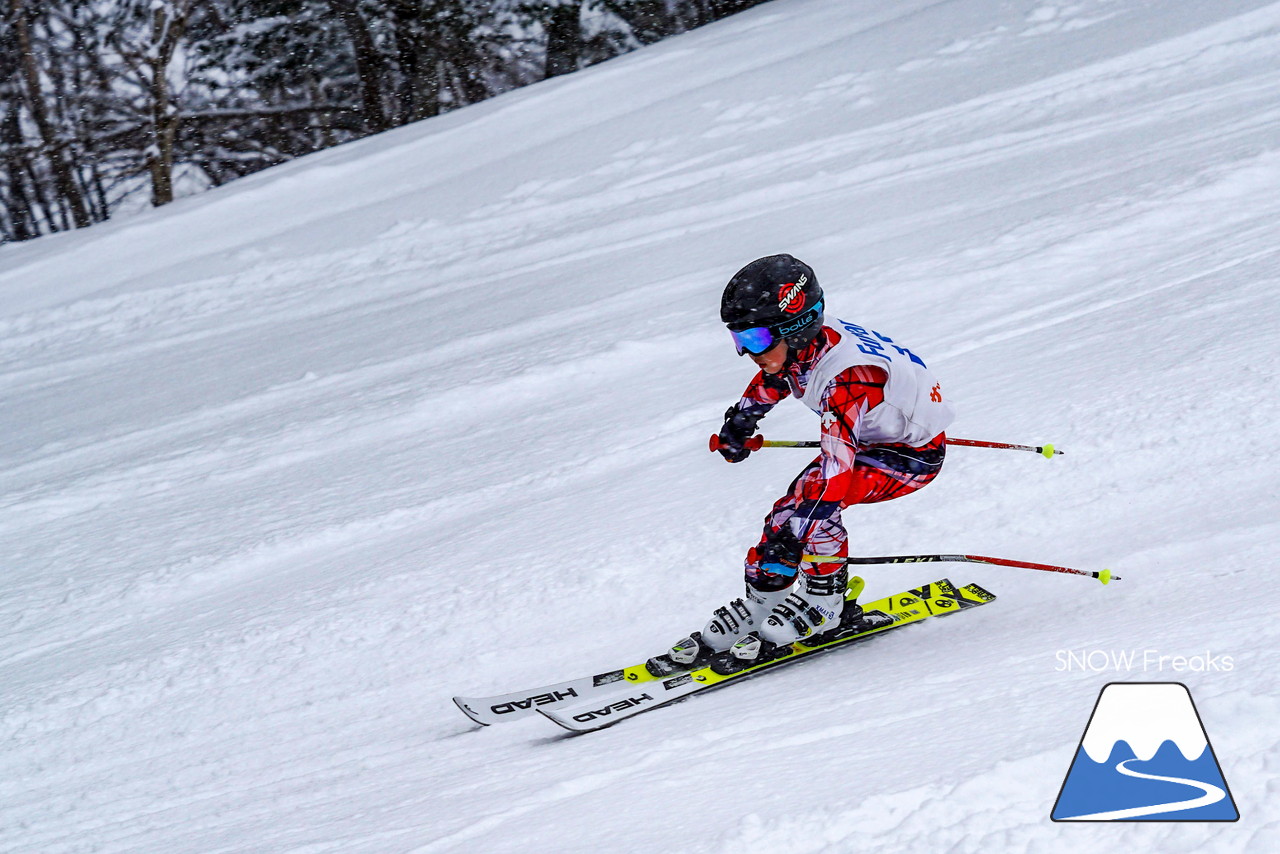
(781,553)
(738,428)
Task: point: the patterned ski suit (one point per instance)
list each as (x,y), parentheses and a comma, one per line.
(848,470)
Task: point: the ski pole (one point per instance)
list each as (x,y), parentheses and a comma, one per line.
(755,443)
(1047,451)
(1104,576)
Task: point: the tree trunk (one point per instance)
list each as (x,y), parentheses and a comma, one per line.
(725,8)
(160,151)
(650,20)
(63,174)
(368,64)
(564,37)
(427,87)
(21,218)
(407,29)
(14,158)
(168,27)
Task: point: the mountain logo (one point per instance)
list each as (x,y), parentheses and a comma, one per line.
(1145,756)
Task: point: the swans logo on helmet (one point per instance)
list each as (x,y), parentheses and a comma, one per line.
(791,297)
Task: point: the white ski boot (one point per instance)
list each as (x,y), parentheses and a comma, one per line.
(727,624)
(812,607)
(742,615)
(809,616)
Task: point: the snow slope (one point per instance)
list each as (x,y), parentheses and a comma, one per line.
(279,462)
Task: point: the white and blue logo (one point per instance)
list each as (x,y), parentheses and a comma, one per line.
(1145,756)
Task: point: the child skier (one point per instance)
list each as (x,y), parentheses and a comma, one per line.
(883,417)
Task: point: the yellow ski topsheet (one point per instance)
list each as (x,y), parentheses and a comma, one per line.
(933,599)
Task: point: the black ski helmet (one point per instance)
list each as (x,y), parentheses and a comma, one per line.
(779,292)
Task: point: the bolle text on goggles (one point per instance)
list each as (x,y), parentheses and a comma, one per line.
(759,339)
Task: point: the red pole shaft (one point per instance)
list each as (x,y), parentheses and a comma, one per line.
(999,561)
(1104,576)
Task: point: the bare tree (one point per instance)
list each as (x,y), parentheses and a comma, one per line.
(53,143)
(100,99)
(148,37)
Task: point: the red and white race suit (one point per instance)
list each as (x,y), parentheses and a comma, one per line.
(883,422)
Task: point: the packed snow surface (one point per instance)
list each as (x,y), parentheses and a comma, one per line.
(287,465)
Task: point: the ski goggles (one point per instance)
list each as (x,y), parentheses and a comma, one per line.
(755,340)
(759,339)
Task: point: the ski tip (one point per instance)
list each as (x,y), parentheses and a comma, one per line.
(562,723)
(978,594)
(461,703)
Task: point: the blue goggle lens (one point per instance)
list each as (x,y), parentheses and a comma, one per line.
(756,340)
